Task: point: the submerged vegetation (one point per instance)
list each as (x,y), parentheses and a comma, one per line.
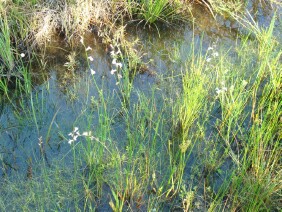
(202,131)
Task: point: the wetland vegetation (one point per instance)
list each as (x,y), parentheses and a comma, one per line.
(149,105)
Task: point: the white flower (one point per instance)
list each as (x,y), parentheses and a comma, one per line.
(88,48)
(86,133)
(40,141)
(81,40)
(90,58)
(22,55)
(208,59)
(92,72)
(70,141)
(210,48)
(118,52)
(119,76)
(119,65)
(113,71)
(71,134)
(224,89)
(75,137)
(215,54)
(114,62)
(112,53)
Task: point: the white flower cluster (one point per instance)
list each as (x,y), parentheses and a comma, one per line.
(117,65)
(91,58)
(92,72)
(75,134)
(213,53)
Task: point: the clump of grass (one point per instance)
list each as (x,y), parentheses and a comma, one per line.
(6,55)
(153,11)
(254,150)
(13,72)
(187,112)
(261,154)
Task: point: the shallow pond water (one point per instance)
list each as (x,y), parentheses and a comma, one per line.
(36,126)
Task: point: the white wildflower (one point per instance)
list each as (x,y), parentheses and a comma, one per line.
(92,72)
(40,143)
(118,52)
(113,71)
(114,62)
(86,133)
(88,48)
(215,54)
(119,65)
(90,58)
(112,53)
(81,40)
(119,76)
(22,55)
(71,134)
(70,141)
(210,48)
(75,137)
(208,59)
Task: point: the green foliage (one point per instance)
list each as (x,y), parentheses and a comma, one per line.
(152,11)
(7,52)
